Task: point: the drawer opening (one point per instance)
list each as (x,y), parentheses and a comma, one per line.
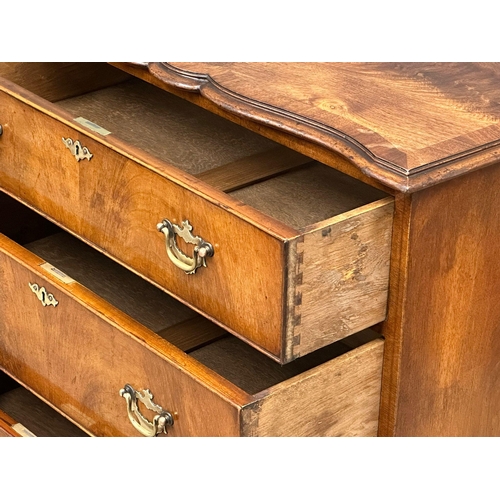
(29,416)
(214,347)
(295,242)
(60,80)
(203,340)
(275,180)
(254,372)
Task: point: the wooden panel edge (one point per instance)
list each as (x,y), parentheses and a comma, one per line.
(252,169)
(222,101)
(6,430)
(248,214)
(6,423)
(314,139)
(343,271)
(392,326)
(339,398)
(47,402)
(291,307)
(127,325)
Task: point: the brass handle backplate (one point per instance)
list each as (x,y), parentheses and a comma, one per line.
(202,249)
(77,150)
(160,422)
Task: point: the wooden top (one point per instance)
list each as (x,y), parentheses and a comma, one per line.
(408,125)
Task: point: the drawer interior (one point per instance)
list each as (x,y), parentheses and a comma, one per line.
(277,181)
(211,345)
(32,415)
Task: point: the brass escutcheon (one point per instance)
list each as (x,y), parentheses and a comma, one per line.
(77,150)
(46,298)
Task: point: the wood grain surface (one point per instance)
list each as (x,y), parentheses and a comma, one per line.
(409,125)
(339,277)
(251,370)
(59,80)
(115,202)
(249,170)
(340,398)
(308,195)
(6,423)
(442,365)
(166,126)
(254,372)
(360,169)
(36,416)
(79,354)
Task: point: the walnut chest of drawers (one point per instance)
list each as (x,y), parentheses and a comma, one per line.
(251,249)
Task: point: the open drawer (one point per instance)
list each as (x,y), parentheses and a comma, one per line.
(286,253)
(105,348)
(22,414)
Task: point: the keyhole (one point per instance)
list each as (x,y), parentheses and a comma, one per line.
(43,296)
(76,149)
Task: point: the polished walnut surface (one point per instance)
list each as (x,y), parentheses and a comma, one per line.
(274,237)
(78,353)
(441,351)
(409,125)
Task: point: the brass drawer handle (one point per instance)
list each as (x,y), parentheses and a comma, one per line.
(202,249)
(77,150)
(142,424)
(46,298)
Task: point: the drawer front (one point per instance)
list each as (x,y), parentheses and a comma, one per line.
(76,357)
(84,356)
(286,291)
(116,203)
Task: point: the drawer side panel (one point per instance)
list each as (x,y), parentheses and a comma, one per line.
(339,398)
(339,278)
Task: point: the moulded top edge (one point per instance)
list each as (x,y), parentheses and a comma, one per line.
(407,125)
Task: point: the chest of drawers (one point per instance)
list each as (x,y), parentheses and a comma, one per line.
(268,238)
